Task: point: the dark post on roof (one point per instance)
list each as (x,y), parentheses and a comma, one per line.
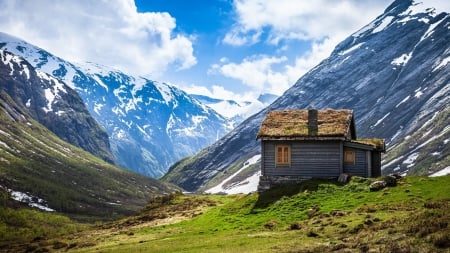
(313,124)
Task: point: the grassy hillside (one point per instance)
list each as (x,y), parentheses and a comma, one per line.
(68,179)
(316,216)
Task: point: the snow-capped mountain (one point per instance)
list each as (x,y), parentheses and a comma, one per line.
(394,73)
(236,111)
(151,125)
(53,104)
(42,122)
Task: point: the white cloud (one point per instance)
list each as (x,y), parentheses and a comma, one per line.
(112,33)
(321,23)
(256,73)
(217,91)
(304,63)
(239,37)
(300,20)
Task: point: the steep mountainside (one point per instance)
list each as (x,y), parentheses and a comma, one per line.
(39,168)
(394,74)
(53,104)
(151,125)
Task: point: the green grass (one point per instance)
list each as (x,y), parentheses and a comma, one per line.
(316,216)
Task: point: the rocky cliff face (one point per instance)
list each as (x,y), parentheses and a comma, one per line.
(151,125)
(53,104)
(394,74)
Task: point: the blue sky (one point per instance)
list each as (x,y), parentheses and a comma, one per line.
(232,49)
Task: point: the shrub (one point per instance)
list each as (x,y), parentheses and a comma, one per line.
(271,224)
(440,240)
(295,226)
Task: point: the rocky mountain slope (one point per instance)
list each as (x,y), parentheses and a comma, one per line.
(394,74)
(39,168)
(151,125)
(53,104)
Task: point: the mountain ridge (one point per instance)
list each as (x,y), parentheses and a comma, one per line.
(150,124)
(40,168)
(53,104)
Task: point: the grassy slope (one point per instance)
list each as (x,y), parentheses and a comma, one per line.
(72,181)
(317,216)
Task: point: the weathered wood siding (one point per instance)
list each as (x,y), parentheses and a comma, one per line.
(308,159)
(360,167)
(376,164)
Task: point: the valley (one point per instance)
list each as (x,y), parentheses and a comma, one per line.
(95,159)
(317,216)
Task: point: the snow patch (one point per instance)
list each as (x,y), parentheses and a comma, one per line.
(418,94)
(430,29)
(248,185)
(428,6)
(50,98)
(381,120)
(165,90)
(403,101)
(442,64)
(351,49)
(98,107)
(391,162)
(443,172)
(384,23)
(100,82)
(31,200)
(402,60)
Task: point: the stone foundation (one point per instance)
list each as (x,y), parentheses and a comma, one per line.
(267,182)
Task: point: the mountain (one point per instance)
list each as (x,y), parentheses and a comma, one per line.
(53,104)
(150,125)
(40,168)
(236,111)
(394,75)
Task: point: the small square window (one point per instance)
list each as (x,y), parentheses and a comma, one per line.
(349,156)
(283,155)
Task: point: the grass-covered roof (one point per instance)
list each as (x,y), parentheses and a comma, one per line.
(294,123)
(376,143)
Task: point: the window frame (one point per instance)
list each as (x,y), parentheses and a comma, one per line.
(286,152)
(352,153)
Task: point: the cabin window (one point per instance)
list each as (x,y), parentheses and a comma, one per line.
(349,156)
(283,155)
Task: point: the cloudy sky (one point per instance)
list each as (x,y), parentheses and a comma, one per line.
(234,49)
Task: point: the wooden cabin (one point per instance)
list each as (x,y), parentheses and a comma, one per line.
(297,145)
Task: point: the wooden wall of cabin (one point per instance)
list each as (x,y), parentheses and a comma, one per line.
(376,164)
(360,166)
(321,159)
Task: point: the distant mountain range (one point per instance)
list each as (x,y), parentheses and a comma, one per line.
(150,125)
(236,111)
(394,73)
(41,168)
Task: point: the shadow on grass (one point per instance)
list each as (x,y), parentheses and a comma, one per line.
(272,195)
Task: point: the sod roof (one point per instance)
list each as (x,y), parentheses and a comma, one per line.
(378,144)
(294,123)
